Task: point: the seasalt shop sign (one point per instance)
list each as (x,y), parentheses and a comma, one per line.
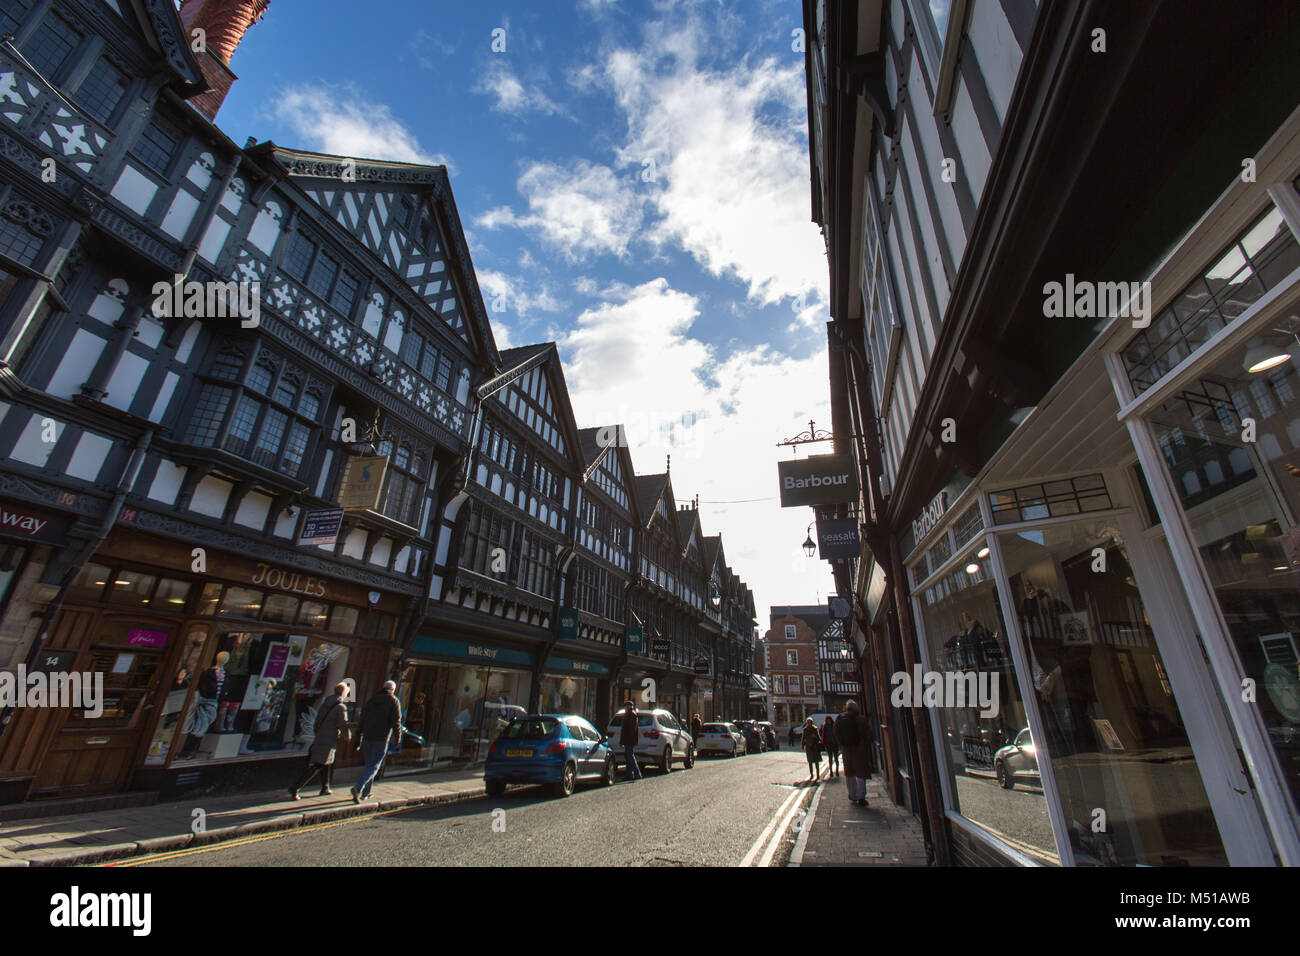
(820,480)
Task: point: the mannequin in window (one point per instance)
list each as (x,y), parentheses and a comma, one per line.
(212,683)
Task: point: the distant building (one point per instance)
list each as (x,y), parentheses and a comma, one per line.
(793,670)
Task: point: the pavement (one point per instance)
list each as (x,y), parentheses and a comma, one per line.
(839,833)
(104,836)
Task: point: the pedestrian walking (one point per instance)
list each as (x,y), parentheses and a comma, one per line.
(331,726)
(831,744)
(628,735)
(792,728)
(697,727)
(853,733)
(812,749)
(381,720)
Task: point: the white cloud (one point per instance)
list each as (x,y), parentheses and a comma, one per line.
(631,360)
(512,96)
(731,163)
(510,293)
(581,211)
(340,120)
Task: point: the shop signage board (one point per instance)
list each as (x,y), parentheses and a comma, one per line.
(28,523)
(465,650)
(819,480)
(659,645)
(363,480)
(636,640)
(321,527)
(54,661)
(930,516)
(147,638)
(568,624)
(838,538)
(701,665)
(577,667)
(839,608)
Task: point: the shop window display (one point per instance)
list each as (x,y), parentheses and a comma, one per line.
(1242,501)
(1111,724)
(965,632)
(453,712)
(260,694)
(568,695)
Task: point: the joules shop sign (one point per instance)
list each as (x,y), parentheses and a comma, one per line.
(293,581)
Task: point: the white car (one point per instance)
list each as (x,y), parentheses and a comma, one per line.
(721,739)
(662,740)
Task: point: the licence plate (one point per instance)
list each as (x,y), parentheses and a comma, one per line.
(519,753)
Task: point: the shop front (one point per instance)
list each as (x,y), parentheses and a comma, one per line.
(211,679)
(1121,580)
(571,686)
(455,696)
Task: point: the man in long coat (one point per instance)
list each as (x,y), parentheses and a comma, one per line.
(853,731)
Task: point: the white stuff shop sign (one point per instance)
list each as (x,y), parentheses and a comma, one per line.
(819,480)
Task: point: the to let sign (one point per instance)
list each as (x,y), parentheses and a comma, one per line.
(819,480)
(321,527)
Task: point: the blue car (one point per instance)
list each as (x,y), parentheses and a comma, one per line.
(553,749)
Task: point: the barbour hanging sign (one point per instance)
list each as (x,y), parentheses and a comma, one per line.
(819,480)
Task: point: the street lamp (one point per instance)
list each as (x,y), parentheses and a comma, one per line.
(809,548)
(715,596)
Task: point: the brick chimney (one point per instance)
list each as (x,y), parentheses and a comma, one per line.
(224,23)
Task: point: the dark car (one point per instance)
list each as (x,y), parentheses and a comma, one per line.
(770,735)
(755,740)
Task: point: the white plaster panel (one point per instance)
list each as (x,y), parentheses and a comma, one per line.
(75,366)
(167,482)
(177,221)
(126,381)
(253,510)
(210,497)
(89,457)
(31,447)
(134,189)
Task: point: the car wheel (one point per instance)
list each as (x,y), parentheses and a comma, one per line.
(666,761)
(689,762)
(495,788)
(611,768)
(568,780)
(1005,777)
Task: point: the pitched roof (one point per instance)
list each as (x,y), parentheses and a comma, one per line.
(591,446)
(518,356)
(712,545)
(649,488)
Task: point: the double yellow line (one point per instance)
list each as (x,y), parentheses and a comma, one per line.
(247,841)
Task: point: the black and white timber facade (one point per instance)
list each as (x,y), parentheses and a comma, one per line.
(167,471)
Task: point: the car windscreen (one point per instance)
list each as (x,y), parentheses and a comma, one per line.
(715,729)
(530,728)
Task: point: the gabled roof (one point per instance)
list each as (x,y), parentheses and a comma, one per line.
(162,26)
(548,354)
(712,551)
(649,489)
(592,449)
(300,164)
(688,520)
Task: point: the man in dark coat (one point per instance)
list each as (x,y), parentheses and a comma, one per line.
(381,721)
(628,735)
(853,732)
(331,725)
(697,727)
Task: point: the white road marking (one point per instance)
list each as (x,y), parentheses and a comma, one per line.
(796,857)
(784,811)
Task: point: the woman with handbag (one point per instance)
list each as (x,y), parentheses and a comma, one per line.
(331,727)
(812,748)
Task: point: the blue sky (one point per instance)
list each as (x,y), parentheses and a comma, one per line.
(633,181)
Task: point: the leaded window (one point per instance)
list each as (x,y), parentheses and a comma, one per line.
(404,484)
(485,532)
(23,231)
(298,260)
(269,419)
(102,90)
(49,47)
(12,13)
(1260,257)
(536,564)
(157,144)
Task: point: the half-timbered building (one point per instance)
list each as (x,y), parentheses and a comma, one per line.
(233,501)
(507,538)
